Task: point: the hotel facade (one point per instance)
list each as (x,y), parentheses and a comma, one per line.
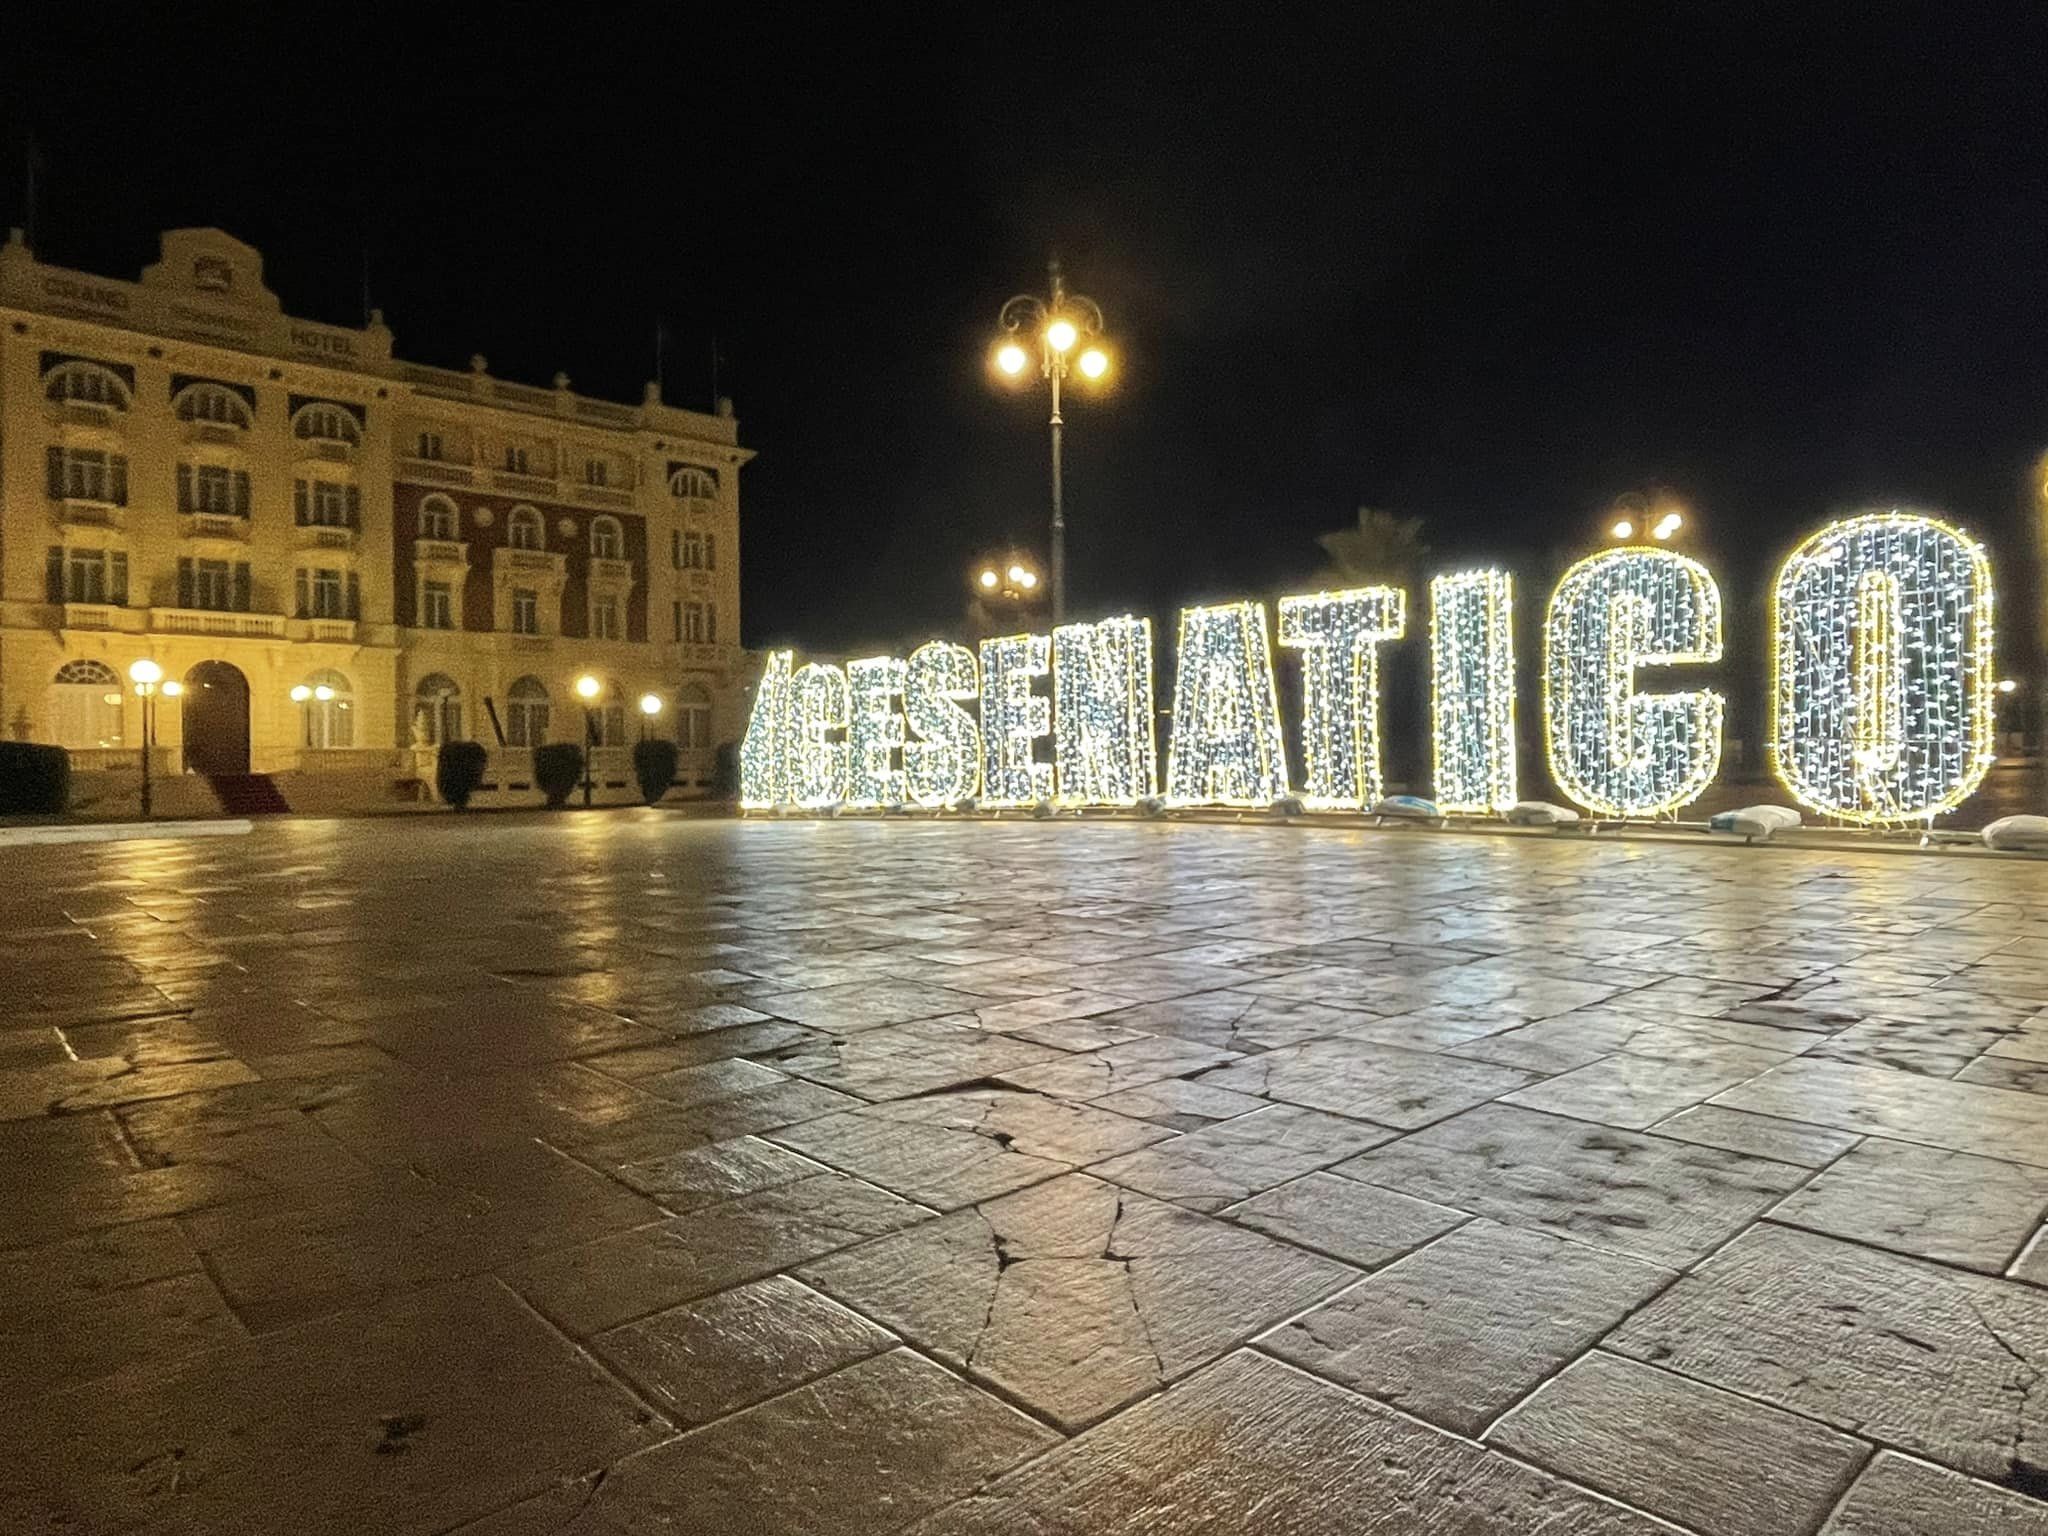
(342,558)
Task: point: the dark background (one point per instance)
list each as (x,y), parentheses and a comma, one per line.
(1492,265)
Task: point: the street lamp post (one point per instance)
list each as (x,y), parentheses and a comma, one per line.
(148,678)
(587,689)
(1058,325)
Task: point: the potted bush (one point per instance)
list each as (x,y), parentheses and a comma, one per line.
(35,780)
(558,769)
(654,765)
(458,769)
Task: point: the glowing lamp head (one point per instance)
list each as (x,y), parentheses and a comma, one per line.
(301,693)
(1017,574)
(1667,525)
(323,693)
(988,580)
(1061,335)
(1094,362)
(588,687)
(1028,580)
(650,703)
(145,671)
(2007,685)
(172,689)
(1010,358)
(1624,529)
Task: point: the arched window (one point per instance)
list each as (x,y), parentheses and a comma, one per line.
(693,718)
(87,384)
(212,402)
(437,709)
(328,710)
(607,539)
(526,713)
(85,705)
(323,423)
(526,530)
(438,518)
(693,483)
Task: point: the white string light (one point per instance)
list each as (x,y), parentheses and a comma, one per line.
(1882,710)
(942,763)
(1102,709)
(1226,747)
(1339,635)
(819,707)
(1013,718)
(874,731)
(764,751)
(1612,750)
(1472,689)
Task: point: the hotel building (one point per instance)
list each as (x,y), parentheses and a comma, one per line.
(344,559)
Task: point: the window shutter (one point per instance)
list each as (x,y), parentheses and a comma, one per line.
(355,506)
(675,549)
(53,572)
(117,578)
(241,493)
(117,480)
(303,591)
(53,467)
(679,620)
(710,622)
(241,586)
(184,583)
(185,501)
(355,596)
(300,511)
(710,552)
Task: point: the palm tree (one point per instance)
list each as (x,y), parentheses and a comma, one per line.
(1383,550)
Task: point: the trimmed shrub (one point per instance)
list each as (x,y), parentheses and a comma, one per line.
(654,765)
(35,780)
(458,769)
(725,774)
(558,769)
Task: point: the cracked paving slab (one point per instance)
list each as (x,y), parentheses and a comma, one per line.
(1075,1297)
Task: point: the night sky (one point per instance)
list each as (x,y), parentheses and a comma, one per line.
(1487,265)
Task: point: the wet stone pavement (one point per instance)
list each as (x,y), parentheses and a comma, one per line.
(586,1175)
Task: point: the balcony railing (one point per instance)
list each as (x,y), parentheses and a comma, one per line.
(437,471)
(440,552)
(90,512)
(530,485)
(327,536)
(614,573)
(104,616)
(211,621)
(216,525)
(324,631)
(537,560)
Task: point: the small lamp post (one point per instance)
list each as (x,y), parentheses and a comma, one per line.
(587,689)
(147,677)
(650,706)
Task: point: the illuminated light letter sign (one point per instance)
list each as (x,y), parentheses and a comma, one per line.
(1472,703)
(942,763)
(874,731)
(1883,705)
(1226,747)
(1613,750)
(1102,708)
(1012,720)
(1339,635)
(764,753)
(818,764)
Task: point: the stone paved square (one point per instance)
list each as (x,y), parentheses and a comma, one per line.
(528,1175)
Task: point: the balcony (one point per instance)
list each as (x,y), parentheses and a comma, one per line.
(326,536)
(218,432)
(600,496)
(103,616)
(215,525)
(316,450)
(322,631)
(435,471)
(611,573)
(89,512)
(532,562)
(448,552)
(216,622)
(523,485)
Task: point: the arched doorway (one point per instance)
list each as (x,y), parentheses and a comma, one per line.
(215,712)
